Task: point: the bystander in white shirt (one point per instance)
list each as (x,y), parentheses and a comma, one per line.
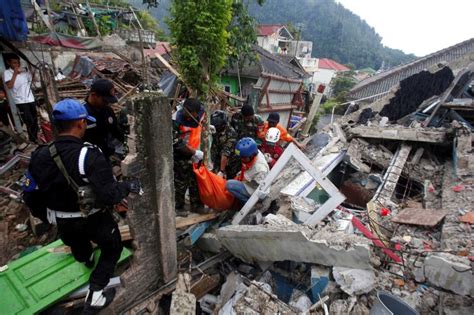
(21,91)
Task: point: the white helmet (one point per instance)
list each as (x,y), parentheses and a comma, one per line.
(273,135)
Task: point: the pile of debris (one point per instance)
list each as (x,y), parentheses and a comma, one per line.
(380,217)
(376,214)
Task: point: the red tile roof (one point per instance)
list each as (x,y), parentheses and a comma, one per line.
(161,48)
(268,29)
(325,63)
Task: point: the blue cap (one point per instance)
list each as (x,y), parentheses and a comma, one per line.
(70,109)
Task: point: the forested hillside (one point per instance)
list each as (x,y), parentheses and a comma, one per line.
(336,32)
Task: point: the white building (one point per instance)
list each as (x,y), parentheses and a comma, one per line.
(277,39)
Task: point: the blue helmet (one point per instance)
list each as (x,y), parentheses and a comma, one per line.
(246,147)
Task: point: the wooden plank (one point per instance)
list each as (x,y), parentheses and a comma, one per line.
(419,216)
(190,220)
(205,285)
(167,65)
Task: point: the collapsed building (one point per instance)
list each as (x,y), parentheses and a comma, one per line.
(376,213)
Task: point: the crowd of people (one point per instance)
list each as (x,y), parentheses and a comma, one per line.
(244,149)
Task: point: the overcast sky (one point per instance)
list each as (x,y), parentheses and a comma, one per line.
(420,27)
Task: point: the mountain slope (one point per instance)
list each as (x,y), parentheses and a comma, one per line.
(336,32)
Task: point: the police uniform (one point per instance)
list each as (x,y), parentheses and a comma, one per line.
(223,143)
(104,129)
(86,165)
(185,133)
(252,129)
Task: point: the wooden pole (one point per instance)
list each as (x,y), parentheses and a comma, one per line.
(312,112)
(93,19)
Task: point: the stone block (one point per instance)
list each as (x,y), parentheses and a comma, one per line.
(183,303)
(450,272)
(253,243)
(354,281)
(210,243)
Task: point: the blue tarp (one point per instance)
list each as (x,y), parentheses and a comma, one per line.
(12,21)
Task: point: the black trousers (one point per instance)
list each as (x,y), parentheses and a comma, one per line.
(4,113)
(29,115)
(102,229)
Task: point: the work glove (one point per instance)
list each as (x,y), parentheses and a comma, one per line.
(134,186)
(212,129)
(262,194)
(221,174)
(198,156)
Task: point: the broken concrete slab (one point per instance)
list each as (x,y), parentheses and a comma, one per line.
(254,243)
(210,243)
(450,272)
(183,302)
(354,281)
(430,135)
(257,301)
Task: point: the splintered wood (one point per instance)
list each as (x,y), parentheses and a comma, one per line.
(190,220)
(419,216)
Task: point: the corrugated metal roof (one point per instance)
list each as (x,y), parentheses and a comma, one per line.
(384,81)
(270,64)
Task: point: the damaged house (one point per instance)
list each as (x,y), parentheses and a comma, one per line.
(271,83)
(374,216)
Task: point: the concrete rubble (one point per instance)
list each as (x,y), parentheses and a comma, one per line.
(354,281)
(288,241)
(404,165)
(404,185)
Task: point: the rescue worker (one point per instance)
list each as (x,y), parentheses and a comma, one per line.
(248,124)
(253,172)
(270,147)
(187,128)
(19,80)
(105,129)
(226,163)
(72,182)
(273,121)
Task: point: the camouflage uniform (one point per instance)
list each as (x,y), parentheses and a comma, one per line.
(223,143)
(184,176)
(252,129)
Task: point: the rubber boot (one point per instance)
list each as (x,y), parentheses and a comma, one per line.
(97,300)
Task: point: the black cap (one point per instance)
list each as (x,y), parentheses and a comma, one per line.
(105,89)
(247,110)
(193,105)
(273,117)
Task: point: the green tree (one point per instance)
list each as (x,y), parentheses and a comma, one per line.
(341,85)
(151,24)
(242,34)
(199,30)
